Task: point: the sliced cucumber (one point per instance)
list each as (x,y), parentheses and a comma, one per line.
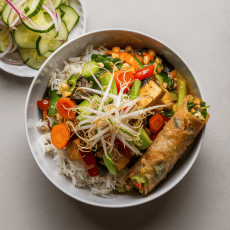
(25,38)
(4,40)
(6,11)
(91,65)
(40,20)
(56,3)
(2,4)
(70,18)
(48,43)
(47,54)
(30,57)
(34,6)
(63,32)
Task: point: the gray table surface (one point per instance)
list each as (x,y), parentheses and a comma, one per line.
(199,31)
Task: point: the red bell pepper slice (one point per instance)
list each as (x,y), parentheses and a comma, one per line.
(121,148)
(144,73)
(90,164)
(44,104)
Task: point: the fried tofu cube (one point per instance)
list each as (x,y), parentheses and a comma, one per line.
(154,93)
(121,161)
(72,149)
(166,100)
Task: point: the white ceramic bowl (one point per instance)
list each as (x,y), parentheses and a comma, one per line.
(23,70)
(119,37)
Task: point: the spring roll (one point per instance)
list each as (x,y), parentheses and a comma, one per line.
(169,145)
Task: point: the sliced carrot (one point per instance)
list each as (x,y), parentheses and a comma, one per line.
(123,78)
(60,135)
(63,108)
(45,114)
(139,57)
(109,52)
(129,59)
(155,123)
(148,55)
(141,187)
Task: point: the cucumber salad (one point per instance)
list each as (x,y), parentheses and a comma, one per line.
(102,111)
(35,28)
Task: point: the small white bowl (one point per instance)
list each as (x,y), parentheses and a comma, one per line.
(118,37)
(22,70)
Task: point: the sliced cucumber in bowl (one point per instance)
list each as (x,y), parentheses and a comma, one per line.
(70,17)
(25,38)
(56,3)
(31,58)
(44,45)
(34,7)
(40,20)
(2,4)
(6,11)
(4,40)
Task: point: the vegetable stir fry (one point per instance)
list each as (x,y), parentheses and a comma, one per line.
(107,108)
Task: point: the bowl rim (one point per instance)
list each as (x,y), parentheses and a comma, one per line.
(139,201)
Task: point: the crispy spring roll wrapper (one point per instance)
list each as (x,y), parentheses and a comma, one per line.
(168,146)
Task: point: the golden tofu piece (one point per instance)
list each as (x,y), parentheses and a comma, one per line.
(154,93)
(72,149)
(166,100)
(121,161)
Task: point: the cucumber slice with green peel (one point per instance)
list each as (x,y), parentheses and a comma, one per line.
(31,58)
(25,38)
(63,32)
(45,43)
(173,95)
(91,65)
(47,54)
(40,20)
(6,11)
(34,7)
(56,3)
(70,18)
(4,40)
(2,4)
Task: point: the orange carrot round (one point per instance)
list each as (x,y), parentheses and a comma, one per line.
(60,135)
(155,123)
(63,108)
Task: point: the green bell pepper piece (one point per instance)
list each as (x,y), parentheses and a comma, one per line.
(73,81)
(54,97)
(135,90)
(110,165)
(182,92)
(105,82)
(139,62)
